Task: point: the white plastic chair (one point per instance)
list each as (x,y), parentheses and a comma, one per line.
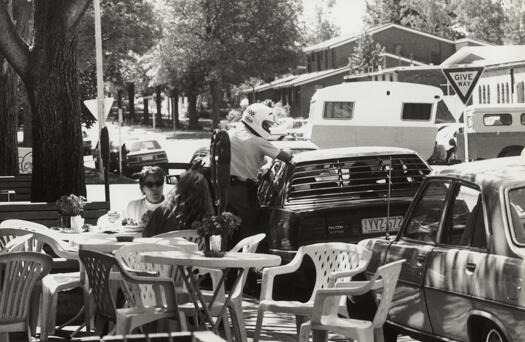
(147,307)
(325,317)
(188,234)
(54,283)
(246,245)
(327,258)
(19,273)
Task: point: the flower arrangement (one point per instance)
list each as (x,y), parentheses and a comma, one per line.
(224,224)
(71,205)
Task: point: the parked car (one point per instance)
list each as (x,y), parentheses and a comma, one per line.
(463,239)
(86,144)
(341,194)
(135,155)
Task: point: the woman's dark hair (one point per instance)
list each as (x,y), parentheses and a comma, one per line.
(191,200)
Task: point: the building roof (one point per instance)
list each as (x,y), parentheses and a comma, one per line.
(487,55)
(341,40)
(311,77)
(265,86)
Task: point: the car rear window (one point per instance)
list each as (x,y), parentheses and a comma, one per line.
(357,178)
(517,214)
(143,145)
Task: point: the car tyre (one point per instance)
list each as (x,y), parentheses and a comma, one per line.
(491,333)
(389,333)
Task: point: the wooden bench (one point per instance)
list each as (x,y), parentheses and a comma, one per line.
(21,185)
(46,213)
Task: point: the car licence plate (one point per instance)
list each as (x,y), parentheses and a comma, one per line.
(378,224)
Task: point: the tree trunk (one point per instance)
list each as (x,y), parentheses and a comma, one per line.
(158,101)
(9,83)
(58,163)
(175,108)
(8,120)
(25,105)
(192,111)
(131,101)
(145,118)
(215,99)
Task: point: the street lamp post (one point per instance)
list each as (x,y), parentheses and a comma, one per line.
(100,95)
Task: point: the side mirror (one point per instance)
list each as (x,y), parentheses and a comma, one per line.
(172,179)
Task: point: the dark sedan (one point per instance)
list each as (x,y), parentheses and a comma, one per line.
(135,155)
(343,194)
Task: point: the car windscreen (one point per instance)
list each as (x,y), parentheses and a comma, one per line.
(136,146)
(517,214)
(357,178)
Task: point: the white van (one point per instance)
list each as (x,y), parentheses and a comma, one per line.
(493,131)
(376,114)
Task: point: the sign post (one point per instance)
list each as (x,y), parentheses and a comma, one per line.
(463,80)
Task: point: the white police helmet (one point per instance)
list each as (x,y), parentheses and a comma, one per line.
(259,117)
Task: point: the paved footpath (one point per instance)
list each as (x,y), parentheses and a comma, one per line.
(280,327)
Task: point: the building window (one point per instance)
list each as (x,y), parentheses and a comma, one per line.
(479,94)
(484,95)
(488,93)
(520,92)
(383,77)
(398,49)
(391,78)
(499,95)
(507,93)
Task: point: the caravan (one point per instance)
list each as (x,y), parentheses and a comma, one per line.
(376,114)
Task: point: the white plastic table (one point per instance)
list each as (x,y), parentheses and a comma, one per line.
(186,261)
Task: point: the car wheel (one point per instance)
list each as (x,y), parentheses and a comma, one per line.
(511,151)
(492,334)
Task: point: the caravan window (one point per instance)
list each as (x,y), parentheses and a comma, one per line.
(416,111)
(338,110)
(497,119)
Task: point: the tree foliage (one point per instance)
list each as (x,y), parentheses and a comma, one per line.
(515,27)
(367,54)
(129,30)
(321,27)
(216,42)
(482,19)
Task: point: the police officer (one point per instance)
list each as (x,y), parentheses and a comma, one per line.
(249,146)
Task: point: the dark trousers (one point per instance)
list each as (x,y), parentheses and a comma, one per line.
(243,203)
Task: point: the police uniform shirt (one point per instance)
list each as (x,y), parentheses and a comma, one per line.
(247,153)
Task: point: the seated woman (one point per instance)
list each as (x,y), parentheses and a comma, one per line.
(151,182)
(189,201)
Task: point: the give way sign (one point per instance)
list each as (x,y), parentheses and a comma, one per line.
(92,105)
(463,80)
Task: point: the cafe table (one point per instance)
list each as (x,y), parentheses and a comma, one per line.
(108,243)
(185,262)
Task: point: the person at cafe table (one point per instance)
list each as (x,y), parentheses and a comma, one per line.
(151,182)
(188,202)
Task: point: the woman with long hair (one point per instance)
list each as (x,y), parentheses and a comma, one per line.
(189,201)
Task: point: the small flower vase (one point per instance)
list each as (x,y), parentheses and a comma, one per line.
(76,223)
(212,246)
(215,243)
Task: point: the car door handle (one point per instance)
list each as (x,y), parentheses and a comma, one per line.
(471,266)
(420,258)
